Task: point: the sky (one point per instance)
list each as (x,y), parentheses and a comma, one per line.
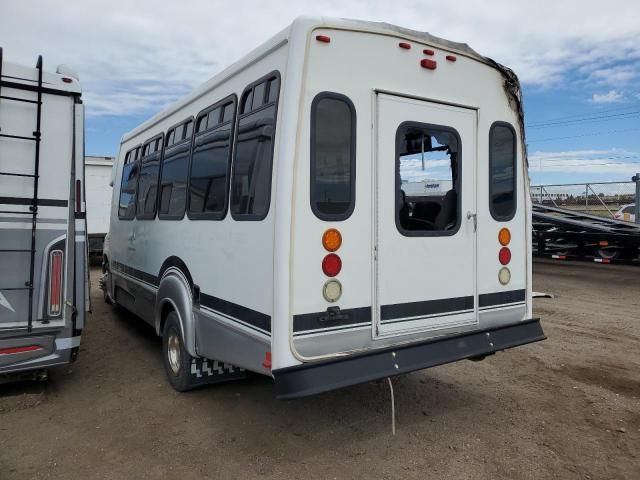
(578,61)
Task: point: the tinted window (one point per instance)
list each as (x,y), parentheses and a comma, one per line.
(128,187)
(175,170)
(208,184)
(333,150)
(258,95)
(148,182)
(427,180)
(253,156)
(502,171)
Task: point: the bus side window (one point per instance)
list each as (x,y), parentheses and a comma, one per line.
(253,152)
(148,182)
(502,171)
(333,156)
(175,172)
(210,163)
(129,185)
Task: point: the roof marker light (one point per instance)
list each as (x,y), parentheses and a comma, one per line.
(428,64)
(67,80)
(451,58)
(405,45)
(428,51)
(323,38)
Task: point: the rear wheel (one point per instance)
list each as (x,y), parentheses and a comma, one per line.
(177,361)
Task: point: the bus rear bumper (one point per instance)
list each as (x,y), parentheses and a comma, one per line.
(310,379)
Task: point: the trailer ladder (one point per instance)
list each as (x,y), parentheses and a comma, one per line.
(33,208)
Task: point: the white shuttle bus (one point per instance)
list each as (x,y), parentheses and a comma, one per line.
(43,273)
(267,223)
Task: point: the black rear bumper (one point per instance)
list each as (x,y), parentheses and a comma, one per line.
(312,378)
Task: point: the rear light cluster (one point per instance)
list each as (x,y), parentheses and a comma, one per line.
(55,282)
(331,265)
(504,256)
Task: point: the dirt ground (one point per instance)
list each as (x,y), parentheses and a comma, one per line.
(565,408)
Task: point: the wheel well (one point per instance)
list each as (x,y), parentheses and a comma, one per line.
(167,308)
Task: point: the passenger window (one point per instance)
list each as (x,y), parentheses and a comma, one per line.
(502,171)
(333,156)
(213,118)
(253,157)
(258,96)
(208,184)
(128,187)
(228,112)
(148,182)
(201,124)
(175,171)
(246,102)
(427,180)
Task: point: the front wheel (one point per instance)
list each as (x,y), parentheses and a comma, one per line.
(177,361)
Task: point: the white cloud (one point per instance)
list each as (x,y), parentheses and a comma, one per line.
(135,57)
(614,162)
(612,96)
(618,75)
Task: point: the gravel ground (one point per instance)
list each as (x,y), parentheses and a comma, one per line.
(565,408)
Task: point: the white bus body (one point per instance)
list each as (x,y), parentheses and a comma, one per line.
(98,174)
(218,227)
(43,274)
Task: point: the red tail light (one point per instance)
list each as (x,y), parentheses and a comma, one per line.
(429,64)
(331,265)
(504,256)
(323,38)
(55,282)
(12,350)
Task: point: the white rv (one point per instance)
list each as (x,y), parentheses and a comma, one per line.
(98,174)
(43,275)
(263,222)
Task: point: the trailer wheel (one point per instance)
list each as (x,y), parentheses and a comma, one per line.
(607,253)
(177,360)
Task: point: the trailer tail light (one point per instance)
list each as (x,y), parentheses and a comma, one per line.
(331,240)
(405,45)
(323,38)
(55,282)
(504,237)
(504,275)
(331,265)
(504,256)
(13,350)
(332,291)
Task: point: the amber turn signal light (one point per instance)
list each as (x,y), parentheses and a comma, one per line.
(504,237)
(331,240)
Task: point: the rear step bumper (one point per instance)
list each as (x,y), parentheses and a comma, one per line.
(310,379)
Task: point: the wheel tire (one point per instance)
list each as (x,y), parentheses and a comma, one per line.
(177,361)
(106,285)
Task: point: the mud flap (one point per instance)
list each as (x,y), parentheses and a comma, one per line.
(206,371)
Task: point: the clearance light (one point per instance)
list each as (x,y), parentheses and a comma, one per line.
(504,236)
(428,51)
(428,64)
(331,240)
(405,45)
(504,275)
(504,256)
(451,58)
(55,282)
(332,291)
(331,265)
(323,38)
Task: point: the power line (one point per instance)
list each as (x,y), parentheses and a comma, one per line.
(553,119)
(600,118)
(583,135)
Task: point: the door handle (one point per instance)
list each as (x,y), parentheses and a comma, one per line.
(473,215)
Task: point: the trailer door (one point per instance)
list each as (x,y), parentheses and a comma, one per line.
(425,223)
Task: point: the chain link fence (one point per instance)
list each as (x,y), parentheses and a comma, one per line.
(603,199)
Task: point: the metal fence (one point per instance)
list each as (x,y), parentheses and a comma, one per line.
(603,199)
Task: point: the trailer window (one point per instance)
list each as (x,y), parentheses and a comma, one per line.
(209,177)
(253,154)
(174,173)
(129,186)
(502,171)
(333,155)
(148,182)
(427,180)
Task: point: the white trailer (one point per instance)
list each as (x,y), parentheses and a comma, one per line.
(262,223)
(43,274)
(99,176)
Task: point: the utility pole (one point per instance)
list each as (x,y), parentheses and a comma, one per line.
(636,178)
